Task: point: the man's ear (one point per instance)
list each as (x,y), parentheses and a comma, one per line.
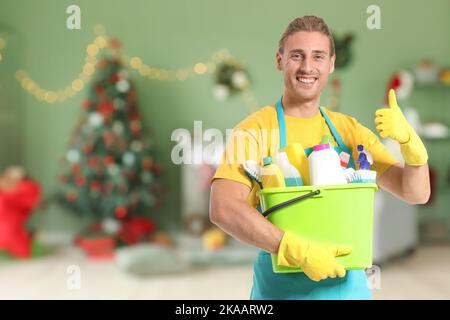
(278,60)
(333,59)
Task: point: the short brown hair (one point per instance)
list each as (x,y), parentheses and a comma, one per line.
(307,23)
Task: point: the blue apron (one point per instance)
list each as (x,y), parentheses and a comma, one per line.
(268,285)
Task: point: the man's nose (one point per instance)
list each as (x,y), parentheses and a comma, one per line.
(306,65)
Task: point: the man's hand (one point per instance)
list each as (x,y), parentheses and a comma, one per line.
(391,123)
(317,260)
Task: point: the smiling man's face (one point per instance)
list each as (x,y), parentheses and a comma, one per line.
(306,64)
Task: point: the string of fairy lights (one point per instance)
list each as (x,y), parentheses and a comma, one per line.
(88,69)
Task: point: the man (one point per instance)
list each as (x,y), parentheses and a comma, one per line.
(306,57)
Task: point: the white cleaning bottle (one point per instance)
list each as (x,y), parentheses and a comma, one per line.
(325,166)
(292,177)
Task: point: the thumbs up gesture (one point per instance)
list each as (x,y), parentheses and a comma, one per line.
(391,123)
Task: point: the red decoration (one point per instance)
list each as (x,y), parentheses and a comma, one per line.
(109,138)
(109,160)
(86,104)
(80,181)
(97,247)
(106,109)
(100,90)
(114,78)
(147,164)
(75,168)
(96,186)
(157,169)
(93,162)
(15,207)
(132,95)
(135,126)
(135,230)
(120,212)
(87,148)
(115,43)
(101,64)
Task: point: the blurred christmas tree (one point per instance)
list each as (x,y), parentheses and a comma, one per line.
(109,169)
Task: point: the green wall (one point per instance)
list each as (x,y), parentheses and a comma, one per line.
(173,34)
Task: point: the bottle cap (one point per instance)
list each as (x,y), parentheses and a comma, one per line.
(327,139)
(267,161)
(322,146)
(282,157)
(360,147)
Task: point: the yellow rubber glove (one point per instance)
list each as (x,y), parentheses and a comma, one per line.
(390,122)
(317,260)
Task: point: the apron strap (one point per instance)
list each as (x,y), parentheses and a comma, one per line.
(333,130)
(337,137)
(281,124)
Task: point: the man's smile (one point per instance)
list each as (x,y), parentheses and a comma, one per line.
(306,81)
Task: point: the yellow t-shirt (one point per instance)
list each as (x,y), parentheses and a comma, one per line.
(257,136)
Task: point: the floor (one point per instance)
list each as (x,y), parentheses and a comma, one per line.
(425,275)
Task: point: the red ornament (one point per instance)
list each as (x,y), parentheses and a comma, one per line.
(109,160)
(87,148)
(102,64)
(96,186)
(109,138)
(157,169)
(100,90)
(147,164)
(120,212)
(114,78)
(132,95)
(93,162)
(115,43)
(80,180)
(135,126)
(86,104)
(75,168)
(106,109)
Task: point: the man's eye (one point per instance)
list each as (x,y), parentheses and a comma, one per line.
(318,57)
(296,56)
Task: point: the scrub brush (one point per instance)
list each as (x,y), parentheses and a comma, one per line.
(253,170)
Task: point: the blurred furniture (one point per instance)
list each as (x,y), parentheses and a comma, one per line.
(432,102)
(395,228)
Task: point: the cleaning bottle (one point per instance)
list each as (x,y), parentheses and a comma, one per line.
(328,139)
(271,175)
(297,157)
(325,166)
(292,177)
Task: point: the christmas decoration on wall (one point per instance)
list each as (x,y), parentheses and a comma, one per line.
(343,50)
(230,78)
(426,72)
(109,169)
(344,57)
(402,82)
(221,59)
